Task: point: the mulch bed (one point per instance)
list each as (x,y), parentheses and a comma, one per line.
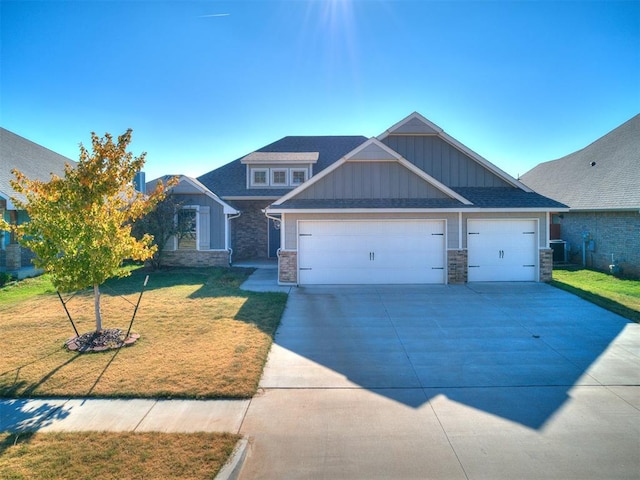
(108,339)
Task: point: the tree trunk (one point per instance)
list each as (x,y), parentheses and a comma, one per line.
(96,299)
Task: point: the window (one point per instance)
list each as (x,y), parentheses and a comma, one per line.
(298,176)
(188,229)
(279,176)
(259,177)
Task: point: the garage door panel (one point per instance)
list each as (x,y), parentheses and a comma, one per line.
(502,250)
(365,252)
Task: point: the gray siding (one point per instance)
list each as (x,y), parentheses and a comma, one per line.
(361,180)
(443,161)
(216,217)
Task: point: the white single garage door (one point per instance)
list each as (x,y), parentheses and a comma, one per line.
(502,250)
(371,252)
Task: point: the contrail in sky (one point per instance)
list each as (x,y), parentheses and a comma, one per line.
(215,15)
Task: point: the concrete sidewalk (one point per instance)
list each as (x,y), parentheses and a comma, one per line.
(135,415)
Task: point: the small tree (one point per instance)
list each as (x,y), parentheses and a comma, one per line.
(163,223)
(80,225)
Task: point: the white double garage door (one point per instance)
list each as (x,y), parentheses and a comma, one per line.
(412,251)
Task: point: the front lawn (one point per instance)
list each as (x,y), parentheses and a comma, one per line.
(619,295)
(110,455)
(201,337)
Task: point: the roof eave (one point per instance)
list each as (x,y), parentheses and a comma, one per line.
(417,210)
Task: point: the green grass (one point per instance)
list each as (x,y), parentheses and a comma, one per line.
(111,455)
(25,289)
(618,295)
(201,337)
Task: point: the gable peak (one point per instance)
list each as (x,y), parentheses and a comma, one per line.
(414,124)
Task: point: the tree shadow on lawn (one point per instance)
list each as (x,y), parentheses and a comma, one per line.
(28,415)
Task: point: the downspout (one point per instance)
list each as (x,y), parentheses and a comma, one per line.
(227,239)
(548,235)
(275,219)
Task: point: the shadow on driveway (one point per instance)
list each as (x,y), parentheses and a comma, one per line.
(481,345)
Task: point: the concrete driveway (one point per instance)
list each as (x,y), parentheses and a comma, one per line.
(495,381)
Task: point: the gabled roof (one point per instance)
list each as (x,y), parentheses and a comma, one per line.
(35,161)
(416,124)
(188,185)
(602,176)
(371,150)
(230,180)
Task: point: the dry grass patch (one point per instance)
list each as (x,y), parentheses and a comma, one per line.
(201,337)
(109,455)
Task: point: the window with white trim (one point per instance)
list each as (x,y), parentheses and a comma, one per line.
(279,177)
(298,176)
(259,177)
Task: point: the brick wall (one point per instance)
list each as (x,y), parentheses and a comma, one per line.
(249,232)
(613,233)
(195,258)
(546,265)
(457,266)
(288,266)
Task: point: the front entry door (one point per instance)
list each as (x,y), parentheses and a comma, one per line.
(274,238)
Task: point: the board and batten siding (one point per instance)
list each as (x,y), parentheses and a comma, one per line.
(291,223)
(361,180)
(216,218)
(443,161)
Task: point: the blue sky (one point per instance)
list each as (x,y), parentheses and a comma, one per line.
(202,83)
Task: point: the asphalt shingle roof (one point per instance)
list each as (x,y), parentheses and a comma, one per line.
(506,197)
(603,175)
(35,161)
(230,180)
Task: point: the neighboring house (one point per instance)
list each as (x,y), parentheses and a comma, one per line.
(413,205)
(37,163)
(601,186)
(207,242)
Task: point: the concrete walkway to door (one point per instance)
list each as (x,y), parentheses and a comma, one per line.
(496,381)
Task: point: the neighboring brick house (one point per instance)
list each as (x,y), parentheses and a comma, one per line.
(601,186)
(412,205)
(37,163)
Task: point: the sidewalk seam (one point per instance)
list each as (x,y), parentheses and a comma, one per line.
(155,402)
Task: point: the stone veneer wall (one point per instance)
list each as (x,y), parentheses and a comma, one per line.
(250,231)
(288,266)
(195,258)
(546,265)
(456,266)
(13,256)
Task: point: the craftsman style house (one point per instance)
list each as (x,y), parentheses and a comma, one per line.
(412,205)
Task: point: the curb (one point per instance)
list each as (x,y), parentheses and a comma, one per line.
(231,469)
